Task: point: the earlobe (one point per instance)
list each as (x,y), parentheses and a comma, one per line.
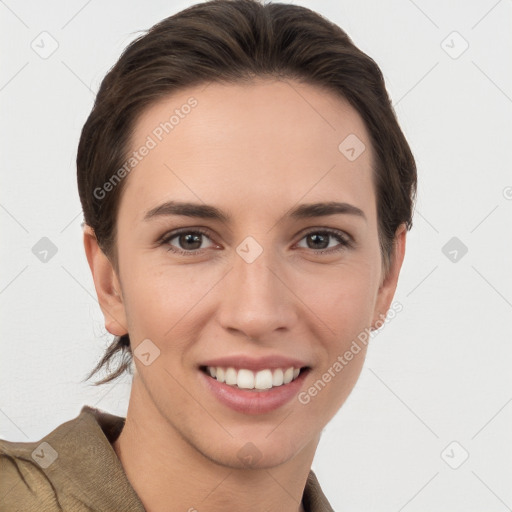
(107,285)
(388,286)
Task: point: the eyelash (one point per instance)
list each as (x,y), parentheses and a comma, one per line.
(344,240)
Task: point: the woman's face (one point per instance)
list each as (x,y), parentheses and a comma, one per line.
(249,275)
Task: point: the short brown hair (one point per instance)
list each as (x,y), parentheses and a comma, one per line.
(230,41)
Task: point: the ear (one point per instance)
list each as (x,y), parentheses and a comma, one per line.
(388,286)
(106,282)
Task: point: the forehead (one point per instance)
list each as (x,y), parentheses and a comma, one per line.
(255,143)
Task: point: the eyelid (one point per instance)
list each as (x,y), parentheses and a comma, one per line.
(178,231)
(332,231)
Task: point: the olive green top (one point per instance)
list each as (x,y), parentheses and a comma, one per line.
(75,468)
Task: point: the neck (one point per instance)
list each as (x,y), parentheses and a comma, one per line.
(169,474)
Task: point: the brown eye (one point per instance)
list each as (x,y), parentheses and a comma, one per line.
(187,241)
(318,240)
(190,241)
(325,241)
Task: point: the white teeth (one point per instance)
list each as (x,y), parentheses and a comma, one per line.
(231,376)
(263,380)
(247,379)
(288,375)
(277,377)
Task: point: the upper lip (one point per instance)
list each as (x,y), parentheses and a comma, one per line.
(271,362)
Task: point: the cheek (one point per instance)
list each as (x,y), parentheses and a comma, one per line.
(344,298)
(344,304)
(159,299)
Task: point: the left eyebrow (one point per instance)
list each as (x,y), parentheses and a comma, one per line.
(305,211)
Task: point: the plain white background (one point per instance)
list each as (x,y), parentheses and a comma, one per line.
(436,387)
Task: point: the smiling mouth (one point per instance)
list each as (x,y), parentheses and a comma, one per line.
(261,380)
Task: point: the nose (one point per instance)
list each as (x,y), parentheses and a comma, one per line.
(256,298)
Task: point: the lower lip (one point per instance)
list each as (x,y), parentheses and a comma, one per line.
(253,402)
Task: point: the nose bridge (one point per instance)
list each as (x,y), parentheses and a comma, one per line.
(256,277)
(256,301)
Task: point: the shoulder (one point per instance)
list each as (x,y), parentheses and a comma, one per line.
(24,485)
(73,468)
(313,499)
(48,474)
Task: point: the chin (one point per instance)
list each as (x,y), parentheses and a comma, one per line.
(258,451)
